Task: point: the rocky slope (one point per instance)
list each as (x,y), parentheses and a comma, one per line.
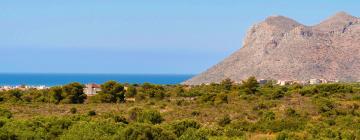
(282,49)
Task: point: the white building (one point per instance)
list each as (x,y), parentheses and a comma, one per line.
(315,81)
(91,89)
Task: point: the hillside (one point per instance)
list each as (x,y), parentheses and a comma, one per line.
(282,49)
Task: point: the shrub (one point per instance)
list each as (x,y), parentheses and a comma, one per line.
(291,112)
(325,106)
(221,98)
(241,125)
(226,84)
(282,136)
(120,119)
(224,121)
(134,113)
(269,116)
(91,113)
(263,106)
(180,126)
(139,131)
(38,128)
(277,94)
(308,90)
(208,98)
(180,102)
(140,97)
(231,132)
(73,110)
(150,116)
(195,113)
(91,130)
(5,113)
(250,86)
(130,92)
(73,93)
(111,92)
(193,134)
(147,116)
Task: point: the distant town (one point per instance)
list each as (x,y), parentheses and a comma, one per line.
(92,88)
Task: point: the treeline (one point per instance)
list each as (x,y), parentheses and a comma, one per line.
(114,92)
(73,93)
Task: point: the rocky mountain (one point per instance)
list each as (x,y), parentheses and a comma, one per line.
(282,49)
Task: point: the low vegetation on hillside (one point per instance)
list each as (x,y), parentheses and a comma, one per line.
(165,112)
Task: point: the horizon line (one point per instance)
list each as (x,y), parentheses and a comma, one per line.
(97,73)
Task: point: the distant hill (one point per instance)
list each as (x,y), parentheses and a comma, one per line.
(282,49)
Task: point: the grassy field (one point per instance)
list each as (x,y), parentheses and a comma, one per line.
(329,111)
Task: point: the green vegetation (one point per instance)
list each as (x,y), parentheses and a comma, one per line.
(168,112)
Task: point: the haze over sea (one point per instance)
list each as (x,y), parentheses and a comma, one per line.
(60,79)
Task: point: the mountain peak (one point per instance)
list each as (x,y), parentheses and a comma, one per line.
(277,49)
(341,15)
(279,20)
(337,22)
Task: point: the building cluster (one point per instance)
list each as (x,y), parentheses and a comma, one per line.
(22,87)
(290,82)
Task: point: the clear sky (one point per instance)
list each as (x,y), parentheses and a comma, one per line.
(138,36)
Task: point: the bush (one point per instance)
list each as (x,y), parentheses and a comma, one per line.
(224,121)
(282,136)
(208,98)
(147,116)
(38,128)
(5,113)
(193,134)
(241,125)
(91,113)
(231,132)
(140,97)
(277,94)
(269,116)
(134,113)
(120,119)
(139,131)
(221,98)
(111,92)
(91,130)
(73,110)
(195,113)
(250,86)
(291,112)
(73,93)
(150,116)
(130,92)
(179,127)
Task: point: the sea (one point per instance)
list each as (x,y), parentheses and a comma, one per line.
(61,79)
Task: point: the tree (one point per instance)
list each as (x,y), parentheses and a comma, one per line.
(131,91)
(226,84)
(111,92)
(153,91)
(73,93)
(250,85)
(55,94)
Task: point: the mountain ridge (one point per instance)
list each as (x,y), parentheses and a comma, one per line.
(281,48)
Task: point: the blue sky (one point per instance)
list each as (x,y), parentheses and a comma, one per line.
(137,36)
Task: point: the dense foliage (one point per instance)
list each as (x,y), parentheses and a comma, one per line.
(165,112)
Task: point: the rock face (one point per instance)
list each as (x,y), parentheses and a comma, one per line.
(282,49)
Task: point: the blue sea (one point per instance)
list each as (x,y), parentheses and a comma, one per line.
(61,79)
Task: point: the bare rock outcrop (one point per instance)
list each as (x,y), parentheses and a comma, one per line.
(282,49)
